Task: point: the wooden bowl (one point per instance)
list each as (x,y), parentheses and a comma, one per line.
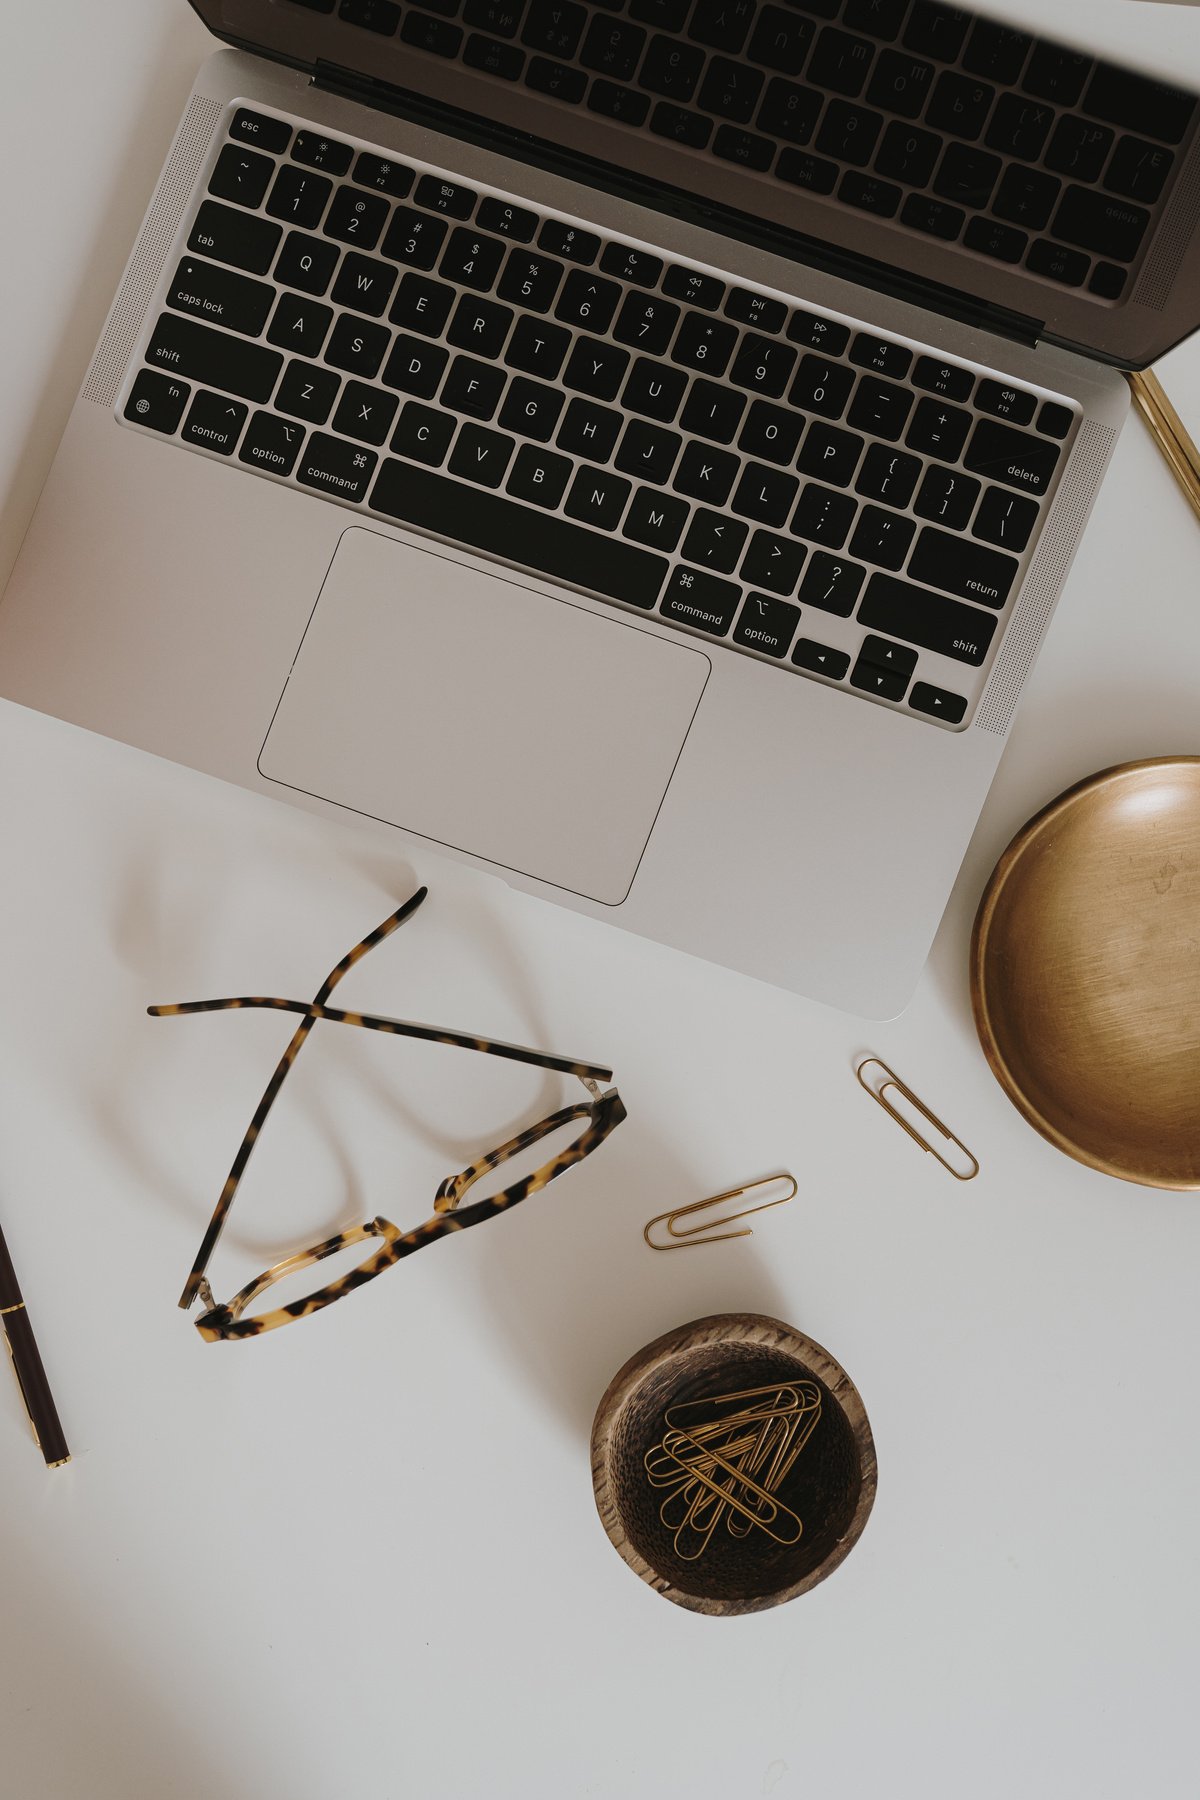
(771,1540)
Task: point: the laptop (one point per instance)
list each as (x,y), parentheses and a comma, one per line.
(635,447)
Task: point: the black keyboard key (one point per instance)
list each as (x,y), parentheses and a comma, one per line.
(207,291)
(562,239)
(743,147)
(356,218)
(612,47)
(781,40)
(554,27)
(870,195)
(500,18)
(831,584)
(759,310)
(765,495)
(365,413)
(966,176)
(715,412)
(596,368)
(213,422)
(824,517)
(1004,402)
(730,90)
(381,16)
(1005,519)
(645,322)
(648,451)
(358,346)
(883,683)
(789,112)
(318,152)
(770,431)
(272,135)
(364,283)
(1078,148)
(479,326)
(714,541)
(671,68)
(242,175)
(539,476)
(590,430)
(882,653)
(817,333)
(958,105)
(1109,227)
(504,528)
(334,467)
(848,133)
(308,392)
(766,624)
(703,601)
(762,365)
(1057,263)
(300,324)
(773,562)
(234,237)
(620,103)
(473,387)
(892,360)
(995,51)
(935,30)
(900,84)
(1026,196)
(436,36)
(423,433)
(516,223)
(557,79)
(481,456)
(380,172)
(274,444)
(655,518)
(880,19)
(829,453)
(1056,73)
(1055,420)
(840,62)
(306,263)
(681,125)
(962,567)
(537,348)
(299,198)
(1019,127)
(879,407)
(820,659)
(943,378)
(472,259)
(531,409)
(946,497)
(1004,243)
(597,497)
(932,620)
(530,280)
(1107,280)
(704,343)
(933,217)
(664,15)
(803,170)
(689,284)
(706,474)
(1017,458)
(587,300)
(448,197)
(938,429)
(1138,170)
(198,353)
(157,401)
(882,538)
(1139,103)
(422,304)
(654,389)
(937,702)
(721,24)
(889,475)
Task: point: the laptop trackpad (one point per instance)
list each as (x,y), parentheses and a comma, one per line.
(466,707)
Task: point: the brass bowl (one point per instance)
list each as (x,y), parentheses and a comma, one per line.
(828,1490)
(1085,972)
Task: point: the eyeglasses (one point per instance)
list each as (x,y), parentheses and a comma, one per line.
(594,1120)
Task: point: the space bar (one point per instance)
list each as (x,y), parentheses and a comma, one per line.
(519,534)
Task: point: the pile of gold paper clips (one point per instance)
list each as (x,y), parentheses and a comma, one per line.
(725,1457)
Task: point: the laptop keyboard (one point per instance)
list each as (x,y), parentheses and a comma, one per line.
(959,128)
(803,490)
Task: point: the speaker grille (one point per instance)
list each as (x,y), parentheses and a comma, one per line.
(1171,240)
(1050,566)
(157,234)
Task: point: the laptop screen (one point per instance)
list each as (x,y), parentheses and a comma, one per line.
(917,147)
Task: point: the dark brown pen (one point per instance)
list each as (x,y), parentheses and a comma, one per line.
(22,1347)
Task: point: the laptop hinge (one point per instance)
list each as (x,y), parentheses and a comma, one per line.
(729,222)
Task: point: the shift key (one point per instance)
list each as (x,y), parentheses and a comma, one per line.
(900,610)
(213,357)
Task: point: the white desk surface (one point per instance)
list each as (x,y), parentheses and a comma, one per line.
(359,1558)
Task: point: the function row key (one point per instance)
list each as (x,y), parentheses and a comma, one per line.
(265,133)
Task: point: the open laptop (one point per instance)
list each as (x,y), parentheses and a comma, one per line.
(634,447)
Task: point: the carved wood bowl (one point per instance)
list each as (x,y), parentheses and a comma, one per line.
(763,1401)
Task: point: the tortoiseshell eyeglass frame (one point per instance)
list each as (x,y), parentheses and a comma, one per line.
(600,1115)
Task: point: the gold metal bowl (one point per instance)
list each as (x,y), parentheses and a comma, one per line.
(1085,972)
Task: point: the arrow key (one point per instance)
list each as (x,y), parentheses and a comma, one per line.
(937,702)
(883,668)
(819,659)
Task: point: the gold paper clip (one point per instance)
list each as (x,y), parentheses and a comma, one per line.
(706,1233)
(892,1080)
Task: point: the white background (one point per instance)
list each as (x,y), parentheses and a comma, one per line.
(360,1558)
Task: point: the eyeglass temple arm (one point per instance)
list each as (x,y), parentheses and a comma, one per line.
(217,1222)
(434,1034)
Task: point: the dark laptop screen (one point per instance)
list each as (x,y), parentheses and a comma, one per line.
(992,168)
